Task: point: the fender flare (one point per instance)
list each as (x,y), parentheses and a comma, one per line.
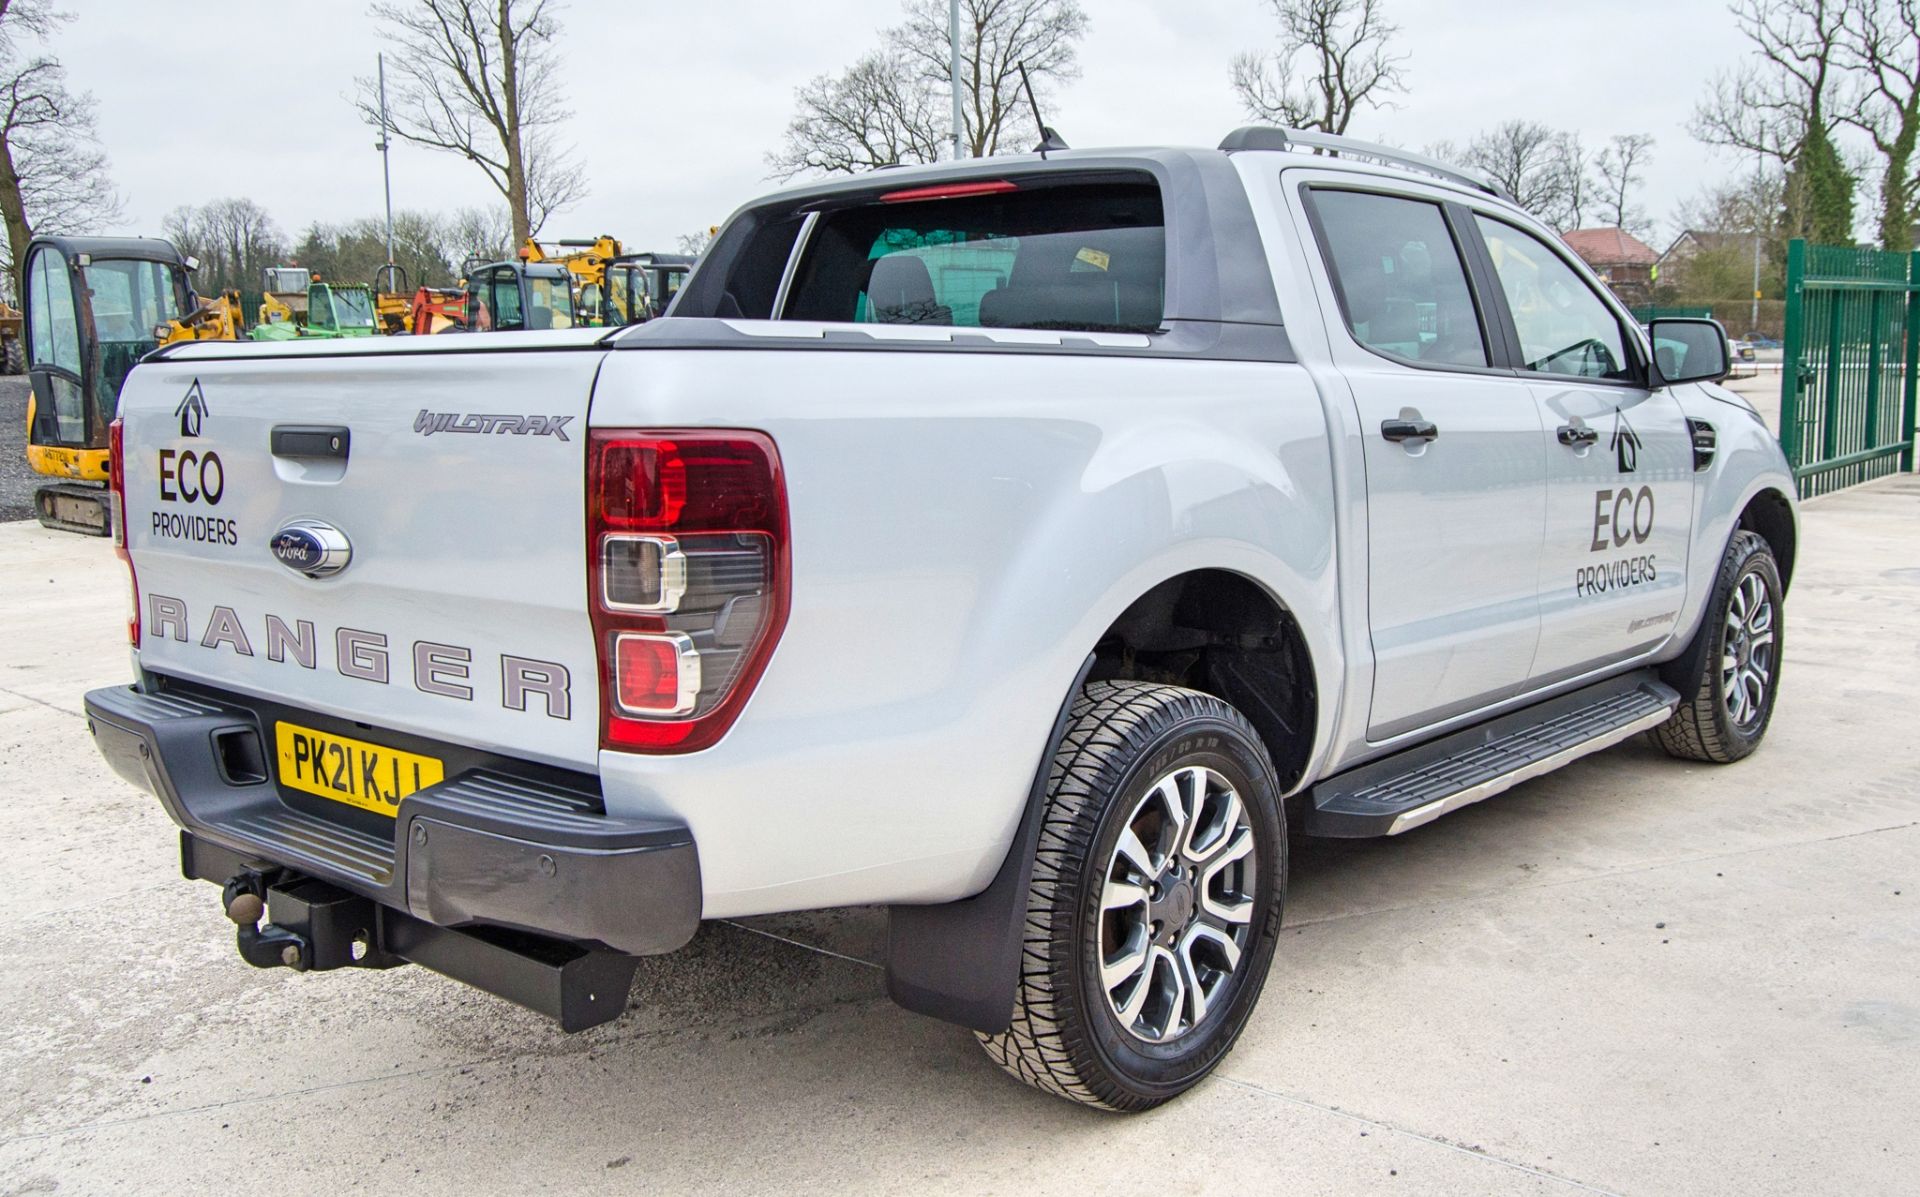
(959,962)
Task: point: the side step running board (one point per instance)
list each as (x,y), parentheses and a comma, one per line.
(1419,784)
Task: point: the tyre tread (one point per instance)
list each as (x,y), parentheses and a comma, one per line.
(1696,731)
(1044,1046)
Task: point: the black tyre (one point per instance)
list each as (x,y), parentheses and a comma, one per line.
(15,357)
(1155,902)
(1729,675)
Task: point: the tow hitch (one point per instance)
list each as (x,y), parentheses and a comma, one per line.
(315,926)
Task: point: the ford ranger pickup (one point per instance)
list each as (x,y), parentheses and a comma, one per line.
(1027,545)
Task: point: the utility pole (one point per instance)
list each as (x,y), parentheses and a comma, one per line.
(953,39)
(1753,319)
(386,168)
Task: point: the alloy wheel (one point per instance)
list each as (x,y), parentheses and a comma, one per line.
(1176,904)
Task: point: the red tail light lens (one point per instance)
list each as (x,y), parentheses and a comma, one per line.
(687,569)
(117,512)
(941,191)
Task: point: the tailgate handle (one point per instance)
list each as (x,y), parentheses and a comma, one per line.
(311,440)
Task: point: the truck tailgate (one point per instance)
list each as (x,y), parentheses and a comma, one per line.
(456,481)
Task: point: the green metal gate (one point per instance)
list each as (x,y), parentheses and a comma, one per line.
(1850,363)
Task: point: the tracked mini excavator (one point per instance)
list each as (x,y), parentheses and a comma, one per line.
(93,307)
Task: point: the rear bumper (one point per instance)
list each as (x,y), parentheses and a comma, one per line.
(484,848)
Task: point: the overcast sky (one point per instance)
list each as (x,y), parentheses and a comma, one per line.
(676,104)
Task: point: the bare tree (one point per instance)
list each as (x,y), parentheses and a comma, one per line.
(1335,58)
(1749,205)
(53,173)
(893,105)
(1618,168)
(696,243)
(478,233)
(996,37)
(1767,107)
(234,239)
(1571,162)
(1544,170)
(479,78)
(878,112)
(1880,45)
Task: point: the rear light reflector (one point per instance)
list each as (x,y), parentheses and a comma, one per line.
(655,675)
(687,557)
(117,512)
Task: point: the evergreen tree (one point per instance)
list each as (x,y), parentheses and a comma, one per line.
(1820,190)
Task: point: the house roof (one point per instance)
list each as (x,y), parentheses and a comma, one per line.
(1609,247)
(1695,240)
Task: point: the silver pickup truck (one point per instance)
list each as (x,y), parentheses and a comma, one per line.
(1025,545)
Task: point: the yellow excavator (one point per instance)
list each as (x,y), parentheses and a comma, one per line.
(612,287)
(587,263)
(93,307)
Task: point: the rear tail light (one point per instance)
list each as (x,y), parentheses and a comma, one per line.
(687,572)
(117,512)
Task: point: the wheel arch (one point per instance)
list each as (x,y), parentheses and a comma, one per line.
(1210,628)
(1223,633)
(1770,514)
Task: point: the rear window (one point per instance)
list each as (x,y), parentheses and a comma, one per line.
(1085,257)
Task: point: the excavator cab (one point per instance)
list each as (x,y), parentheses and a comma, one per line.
(640,286)
(335,310)
(511,296)
(94,306)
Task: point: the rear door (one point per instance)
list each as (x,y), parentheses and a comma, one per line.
(1455,471)
(1613,574)
(454,478)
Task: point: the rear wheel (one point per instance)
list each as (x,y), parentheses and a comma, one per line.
(15,359)
(1155,902)
(1731,673)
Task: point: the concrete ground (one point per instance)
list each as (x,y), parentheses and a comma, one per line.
(1635,976)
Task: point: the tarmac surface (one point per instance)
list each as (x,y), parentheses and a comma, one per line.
(1633,976)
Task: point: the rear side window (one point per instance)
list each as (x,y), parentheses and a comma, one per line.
(1085,257)
(1402,285)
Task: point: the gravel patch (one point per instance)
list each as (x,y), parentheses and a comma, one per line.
(17,482)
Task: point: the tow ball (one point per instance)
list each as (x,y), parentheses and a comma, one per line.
(314,927)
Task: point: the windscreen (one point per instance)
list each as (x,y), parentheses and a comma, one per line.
(1071,257)
(129,297)
(355,307)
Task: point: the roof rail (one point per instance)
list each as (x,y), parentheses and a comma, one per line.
(1266,137)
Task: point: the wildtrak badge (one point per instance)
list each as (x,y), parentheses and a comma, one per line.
(429,422)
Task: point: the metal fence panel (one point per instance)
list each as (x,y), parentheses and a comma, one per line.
(1847,385)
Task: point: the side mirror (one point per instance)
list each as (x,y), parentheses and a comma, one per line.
(1689,351)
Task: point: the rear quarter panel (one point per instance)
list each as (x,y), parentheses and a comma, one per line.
(965,527)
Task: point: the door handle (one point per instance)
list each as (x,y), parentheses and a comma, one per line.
(1578,436)
(310,440)
(1408,430)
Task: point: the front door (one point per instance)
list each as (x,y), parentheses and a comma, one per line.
(1619,466)
(1454,457)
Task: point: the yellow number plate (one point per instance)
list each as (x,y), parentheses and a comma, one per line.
(370,776)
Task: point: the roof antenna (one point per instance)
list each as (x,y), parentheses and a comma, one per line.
(1049,140)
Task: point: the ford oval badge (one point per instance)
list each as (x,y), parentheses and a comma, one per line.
(312,548)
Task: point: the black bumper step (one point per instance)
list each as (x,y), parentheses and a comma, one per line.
(1420,784)
(485,847)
